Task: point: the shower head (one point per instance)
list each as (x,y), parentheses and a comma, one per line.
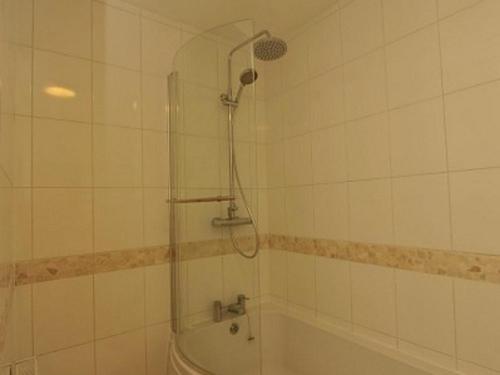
(248,76)
(269,48)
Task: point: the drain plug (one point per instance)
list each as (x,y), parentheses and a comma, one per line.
(233,330)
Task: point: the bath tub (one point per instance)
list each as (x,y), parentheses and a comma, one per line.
(289,346)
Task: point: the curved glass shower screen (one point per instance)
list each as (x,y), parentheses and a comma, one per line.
(213,146)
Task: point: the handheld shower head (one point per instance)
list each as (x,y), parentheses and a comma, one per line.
(247,77)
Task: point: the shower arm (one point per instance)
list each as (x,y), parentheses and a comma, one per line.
(230,58)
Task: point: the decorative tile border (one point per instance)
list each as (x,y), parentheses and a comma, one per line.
(437,262)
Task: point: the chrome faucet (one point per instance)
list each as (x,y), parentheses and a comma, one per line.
(238,308)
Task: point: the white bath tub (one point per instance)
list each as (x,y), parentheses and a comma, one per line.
(289,346)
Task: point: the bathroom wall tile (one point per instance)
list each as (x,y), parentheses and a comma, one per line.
(264,269)
(116,36)
(62,313)
(159,45)
(117,156)
(123,354)
(199,61)
(418,142)
(275,163)
(239,277)
(471,120)
(325,45)
(295,64)
(449,7)
(157,294)
(472,368)
(117,96)
(470,46)
(403,17)
(331,211)
(298,161)
(362,27)
(158,341)
(202,111)
(274,112)
(22,224)
(425,310)
(205,284)
(300,280)
(364,82)
(327,103)
(202,162)
(78,360)
(413,68)
(15,149)
(296,113)
(22,325)
(333,288)
(22,27)
(62,222)
(156,217)
(329,155)
(61,153)
(118,219)
(155,158)
(63,27)
(277,221)
(368,147)
(299,211)
(475,209)
(53,70)
(370,212)
(278,272)
(21,100)
(119,301)
(199,216)
(421,211)
(373,298)
(428,355)
(154,102)
(477,309)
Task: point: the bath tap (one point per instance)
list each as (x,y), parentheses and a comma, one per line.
(238,308)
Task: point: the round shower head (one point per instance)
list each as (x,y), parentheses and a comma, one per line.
(248,76)
(269,48)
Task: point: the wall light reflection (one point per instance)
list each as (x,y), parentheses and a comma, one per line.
(60,92)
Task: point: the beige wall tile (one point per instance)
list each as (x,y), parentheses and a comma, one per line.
(362,27)
(274,111)
(205,284)
(158,340)
(54,70)
(154,102)
(404,16)
(63,313)
(78,360)
(15,149)
(325,33)
(421,211)
(277,221)
(370,212)
(275,164)
(364,82)
(199,216)
(239,277)
(116,36)
(413,68)
(23,22)
(117,156)
(157,294)
(471,122)
(202,158)
(22,86)
(63,27)
(62,222)
(373,298)
(61,153)
(156,217)
(470,44)
(295,64)
(159,45)
(329,155)
(448,7)
(475,209)
(331,211)
(22,225)
(278,272)
(299,211)
(298,161)
(119,301)
(116,96)
(202,112)
(155,159)
(418,142)
(333,288)
(425,310)
(296,113)
(123,354)
(478,333)
(327,99)
(22,326)
(368,147)
(118,219)
(300,280)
